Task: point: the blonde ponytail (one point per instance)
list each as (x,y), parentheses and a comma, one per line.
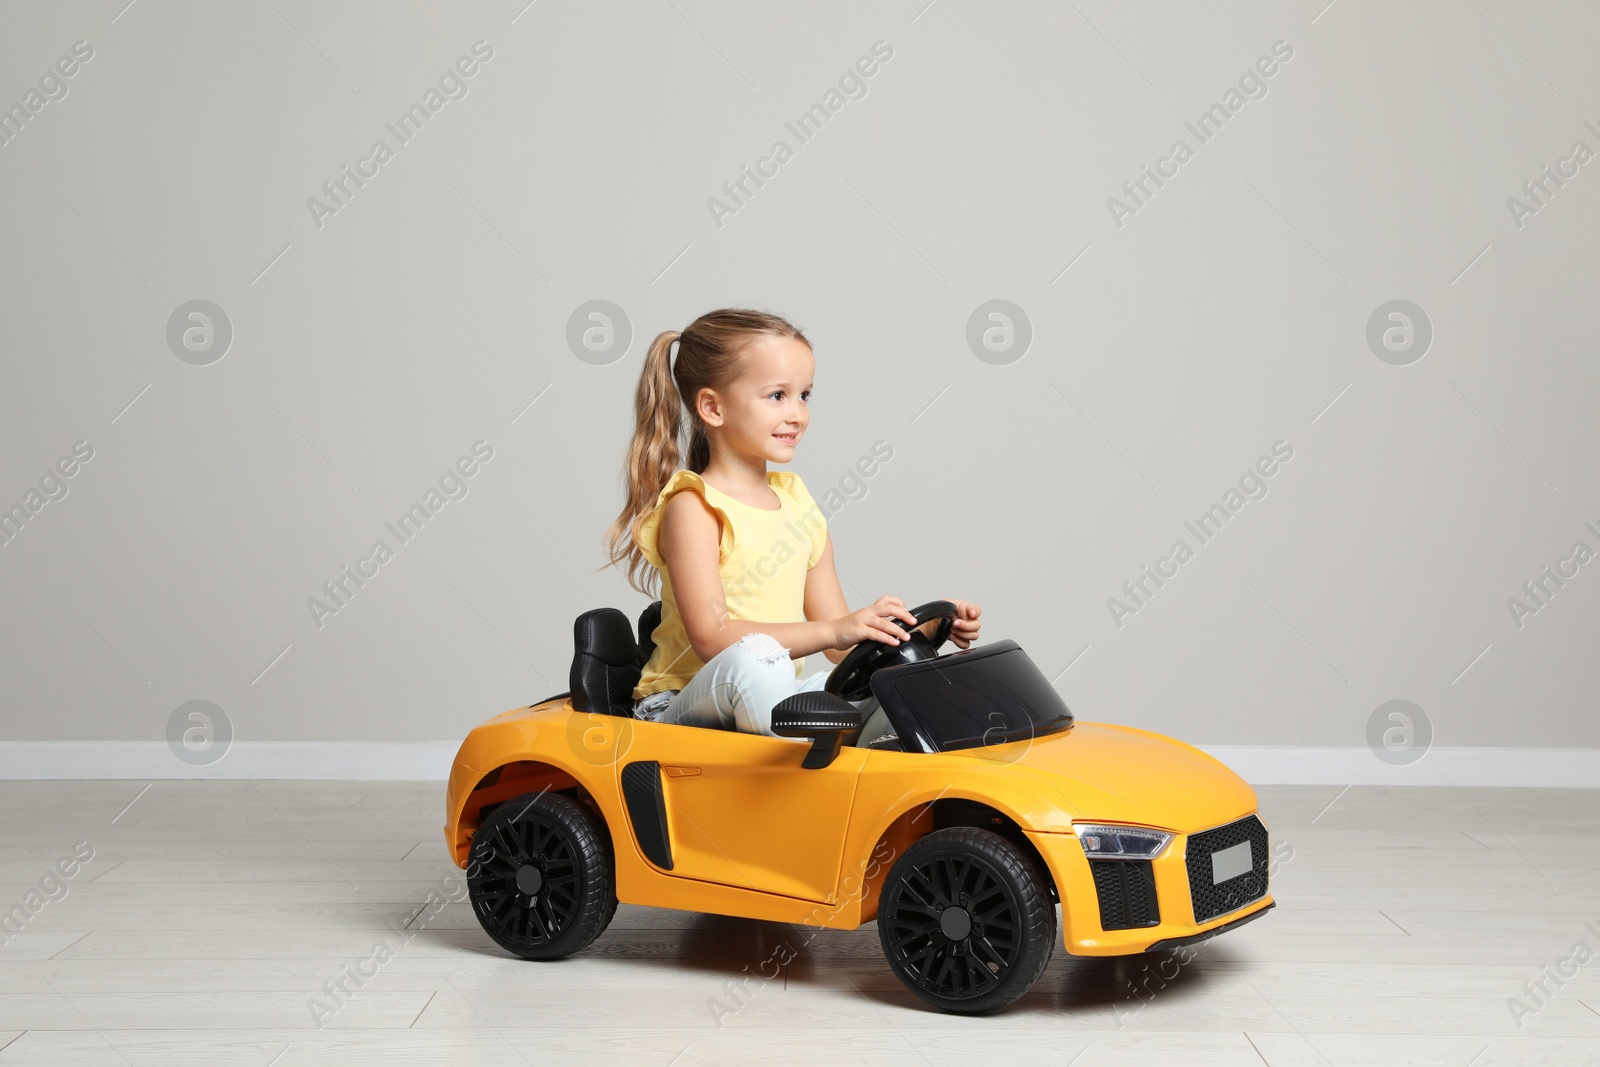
(652,457)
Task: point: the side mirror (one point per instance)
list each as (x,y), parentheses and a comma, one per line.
(826,719)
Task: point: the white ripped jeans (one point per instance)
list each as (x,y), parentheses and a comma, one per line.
(738,688)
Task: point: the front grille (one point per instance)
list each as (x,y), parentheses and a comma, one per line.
(1127,892)
(1210,898)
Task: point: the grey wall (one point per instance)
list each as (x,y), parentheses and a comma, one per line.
(1171,345)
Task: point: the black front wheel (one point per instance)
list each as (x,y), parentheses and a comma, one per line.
(966,921)
(540,878)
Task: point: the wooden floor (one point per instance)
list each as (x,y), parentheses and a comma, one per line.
(213,917)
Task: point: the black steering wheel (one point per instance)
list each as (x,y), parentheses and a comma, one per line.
(851,678)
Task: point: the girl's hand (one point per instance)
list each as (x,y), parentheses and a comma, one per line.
(873,623)
(964,630)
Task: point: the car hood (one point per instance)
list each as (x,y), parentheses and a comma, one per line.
(1120,774)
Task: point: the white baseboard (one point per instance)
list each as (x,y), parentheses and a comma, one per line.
(431,760)
(410,761)
(1569,768)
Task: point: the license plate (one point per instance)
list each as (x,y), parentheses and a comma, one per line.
(1231,862)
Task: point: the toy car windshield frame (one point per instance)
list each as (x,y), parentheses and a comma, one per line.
(981,696)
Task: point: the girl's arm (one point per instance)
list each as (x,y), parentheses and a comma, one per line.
(689,543)
(824,598)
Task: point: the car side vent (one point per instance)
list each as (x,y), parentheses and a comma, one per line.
(1127,892)
(647,811)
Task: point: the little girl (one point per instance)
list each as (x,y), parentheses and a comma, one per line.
(744,560)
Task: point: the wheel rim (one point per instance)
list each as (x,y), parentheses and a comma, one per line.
(527,887)
(952,926)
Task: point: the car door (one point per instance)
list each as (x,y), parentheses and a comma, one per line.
(739,809)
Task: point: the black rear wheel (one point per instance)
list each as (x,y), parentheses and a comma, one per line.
(539,876)
(965,920)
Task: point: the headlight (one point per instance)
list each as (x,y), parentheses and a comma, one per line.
(1121,842)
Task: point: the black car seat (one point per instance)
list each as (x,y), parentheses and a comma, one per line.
(649,619)
(607,659)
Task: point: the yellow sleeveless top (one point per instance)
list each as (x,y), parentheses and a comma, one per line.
(763,557)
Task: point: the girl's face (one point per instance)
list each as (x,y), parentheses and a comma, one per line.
(764,412)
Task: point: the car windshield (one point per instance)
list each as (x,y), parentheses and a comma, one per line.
(982,696)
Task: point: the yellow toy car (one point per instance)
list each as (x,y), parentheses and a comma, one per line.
(959,832)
